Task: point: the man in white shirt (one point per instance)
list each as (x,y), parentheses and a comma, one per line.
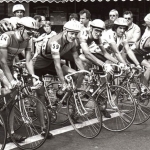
(133,32)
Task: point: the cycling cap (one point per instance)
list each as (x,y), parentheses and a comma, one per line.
(147,18)
(5,25)
(73,26)
(18,7)
(98,23)
(121,22)
(28,22)
(13,21)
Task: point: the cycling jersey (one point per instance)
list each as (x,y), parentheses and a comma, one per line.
(111,37)
(44,58)
(9,42)
(143,46)
(92,43)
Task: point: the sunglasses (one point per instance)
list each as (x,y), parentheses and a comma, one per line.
(112,15)
(127,18)
(29,31)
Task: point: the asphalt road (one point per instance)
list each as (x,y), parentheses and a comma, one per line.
(136,137)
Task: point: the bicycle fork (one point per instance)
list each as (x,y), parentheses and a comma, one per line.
(79,105)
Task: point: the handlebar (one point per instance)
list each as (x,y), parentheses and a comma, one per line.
(67,77)
(105,73)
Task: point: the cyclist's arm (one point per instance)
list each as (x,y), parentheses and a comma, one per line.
(89,55)
(4,65)
(116,52)
(130,53)
(77,60)
(55,47)
(29,62)
(4,42)
(105,53)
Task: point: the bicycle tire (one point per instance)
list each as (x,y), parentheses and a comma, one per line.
(123,116)
(88,124)
(31,127)
(3,133)
(142,100)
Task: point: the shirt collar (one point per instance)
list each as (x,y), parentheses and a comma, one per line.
(131,26)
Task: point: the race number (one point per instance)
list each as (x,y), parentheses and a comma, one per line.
(55,47)
(4,40)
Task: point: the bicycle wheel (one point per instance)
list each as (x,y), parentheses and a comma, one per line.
(141,94)
(84,115)
(120,105)
(31,122)
(59,114)
(3,133)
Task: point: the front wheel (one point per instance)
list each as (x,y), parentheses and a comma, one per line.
(35,120)
(84,115)
(120,105)
(2,133)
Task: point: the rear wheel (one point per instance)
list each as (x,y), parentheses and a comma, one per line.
(120,105)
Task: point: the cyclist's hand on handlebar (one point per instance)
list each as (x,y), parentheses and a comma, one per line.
(64,86)
(14,83)
(108,68)
(123,66)
(37,84)
(139,67)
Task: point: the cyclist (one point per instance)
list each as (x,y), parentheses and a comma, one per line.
(92,47)
(93,50)
(142,51)
(48,61)
(11,44)
(117,41)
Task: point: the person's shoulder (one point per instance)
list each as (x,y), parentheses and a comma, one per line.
(5,39)
(56,38)
(136,26)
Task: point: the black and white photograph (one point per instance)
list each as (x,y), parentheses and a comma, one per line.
(74,74)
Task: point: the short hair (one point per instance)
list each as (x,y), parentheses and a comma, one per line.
(128,12)
(47,23)
(88,14)
(115,11)
(73,15)
(37,17)
(109,24)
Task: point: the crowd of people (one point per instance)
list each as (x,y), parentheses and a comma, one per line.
(117,40)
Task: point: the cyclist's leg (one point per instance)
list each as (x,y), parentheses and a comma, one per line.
(41,96)
(146,77)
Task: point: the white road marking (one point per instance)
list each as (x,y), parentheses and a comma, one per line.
(10,146)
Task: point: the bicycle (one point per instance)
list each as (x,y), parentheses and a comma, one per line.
(111,97)
(140,92)
(24,107)
(69,100)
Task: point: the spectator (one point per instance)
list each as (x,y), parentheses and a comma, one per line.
(113,14)
(73,16)
(18,10)
(42,22)
(85,17)
(134,32)
(38,41)
(147,24)
(38,20)
(106,33)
